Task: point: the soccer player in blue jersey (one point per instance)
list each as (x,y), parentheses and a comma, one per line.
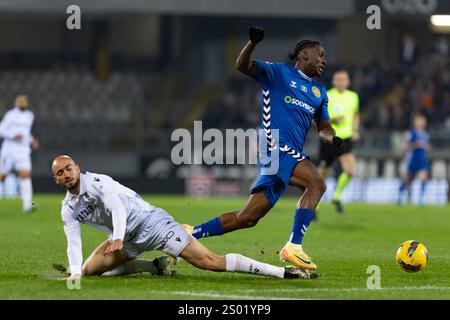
(417,147)
(291,101)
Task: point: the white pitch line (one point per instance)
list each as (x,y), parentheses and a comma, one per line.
(215,294)
(342,289)
(224,294)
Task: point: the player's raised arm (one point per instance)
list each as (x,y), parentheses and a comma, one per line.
(72,230)
(244,62)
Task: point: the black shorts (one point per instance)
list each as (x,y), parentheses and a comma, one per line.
(328,153)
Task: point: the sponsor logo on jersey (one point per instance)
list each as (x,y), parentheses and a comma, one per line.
(299,103)
(88,207)
(293,84)
(304,89)
(85,212)
(316,91)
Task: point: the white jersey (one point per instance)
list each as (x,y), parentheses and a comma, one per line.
(106,205)
(17,122)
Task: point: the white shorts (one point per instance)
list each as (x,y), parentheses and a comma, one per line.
(14,161)
(161,232)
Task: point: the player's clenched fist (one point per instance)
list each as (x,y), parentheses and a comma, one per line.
(339,143)
(256,34)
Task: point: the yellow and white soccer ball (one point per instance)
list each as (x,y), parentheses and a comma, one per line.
(412,256)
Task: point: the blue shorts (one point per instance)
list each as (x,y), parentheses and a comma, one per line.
(274,184)
(415,166)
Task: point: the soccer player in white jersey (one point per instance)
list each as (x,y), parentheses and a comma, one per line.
(134,226)
(15,154)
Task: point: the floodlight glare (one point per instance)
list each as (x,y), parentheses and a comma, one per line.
(440,20)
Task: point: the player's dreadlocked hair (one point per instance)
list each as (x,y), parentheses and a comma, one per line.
(302,45)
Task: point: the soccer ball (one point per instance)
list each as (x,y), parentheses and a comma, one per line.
(412,256)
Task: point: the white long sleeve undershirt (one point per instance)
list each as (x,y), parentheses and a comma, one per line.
(5,132)
(119,214)
(74,247)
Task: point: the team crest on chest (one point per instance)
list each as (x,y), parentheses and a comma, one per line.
(316,91)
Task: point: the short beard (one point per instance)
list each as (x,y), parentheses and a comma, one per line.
(75,187)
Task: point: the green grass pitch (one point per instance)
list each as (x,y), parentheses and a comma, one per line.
(342,246)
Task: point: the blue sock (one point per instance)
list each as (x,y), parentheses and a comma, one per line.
(401,190)
(302,219)
(209,228)
(422,192)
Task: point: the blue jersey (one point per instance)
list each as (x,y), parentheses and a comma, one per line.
(290,102)
(421,141)
(416,158)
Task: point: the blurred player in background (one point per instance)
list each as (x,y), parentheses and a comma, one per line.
(417,146)
(343,108)
(291,100)
(15,154)
(134,227)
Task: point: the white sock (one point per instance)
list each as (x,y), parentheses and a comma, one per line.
(134,266)
(26,192)
(238,263)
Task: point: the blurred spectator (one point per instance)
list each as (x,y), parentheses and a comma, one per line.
(442,46)
(237,106)
(408,49)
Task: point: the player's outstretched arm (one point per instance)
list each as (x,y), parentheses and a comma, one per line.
(244,62)
(74,248)
(119,218)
